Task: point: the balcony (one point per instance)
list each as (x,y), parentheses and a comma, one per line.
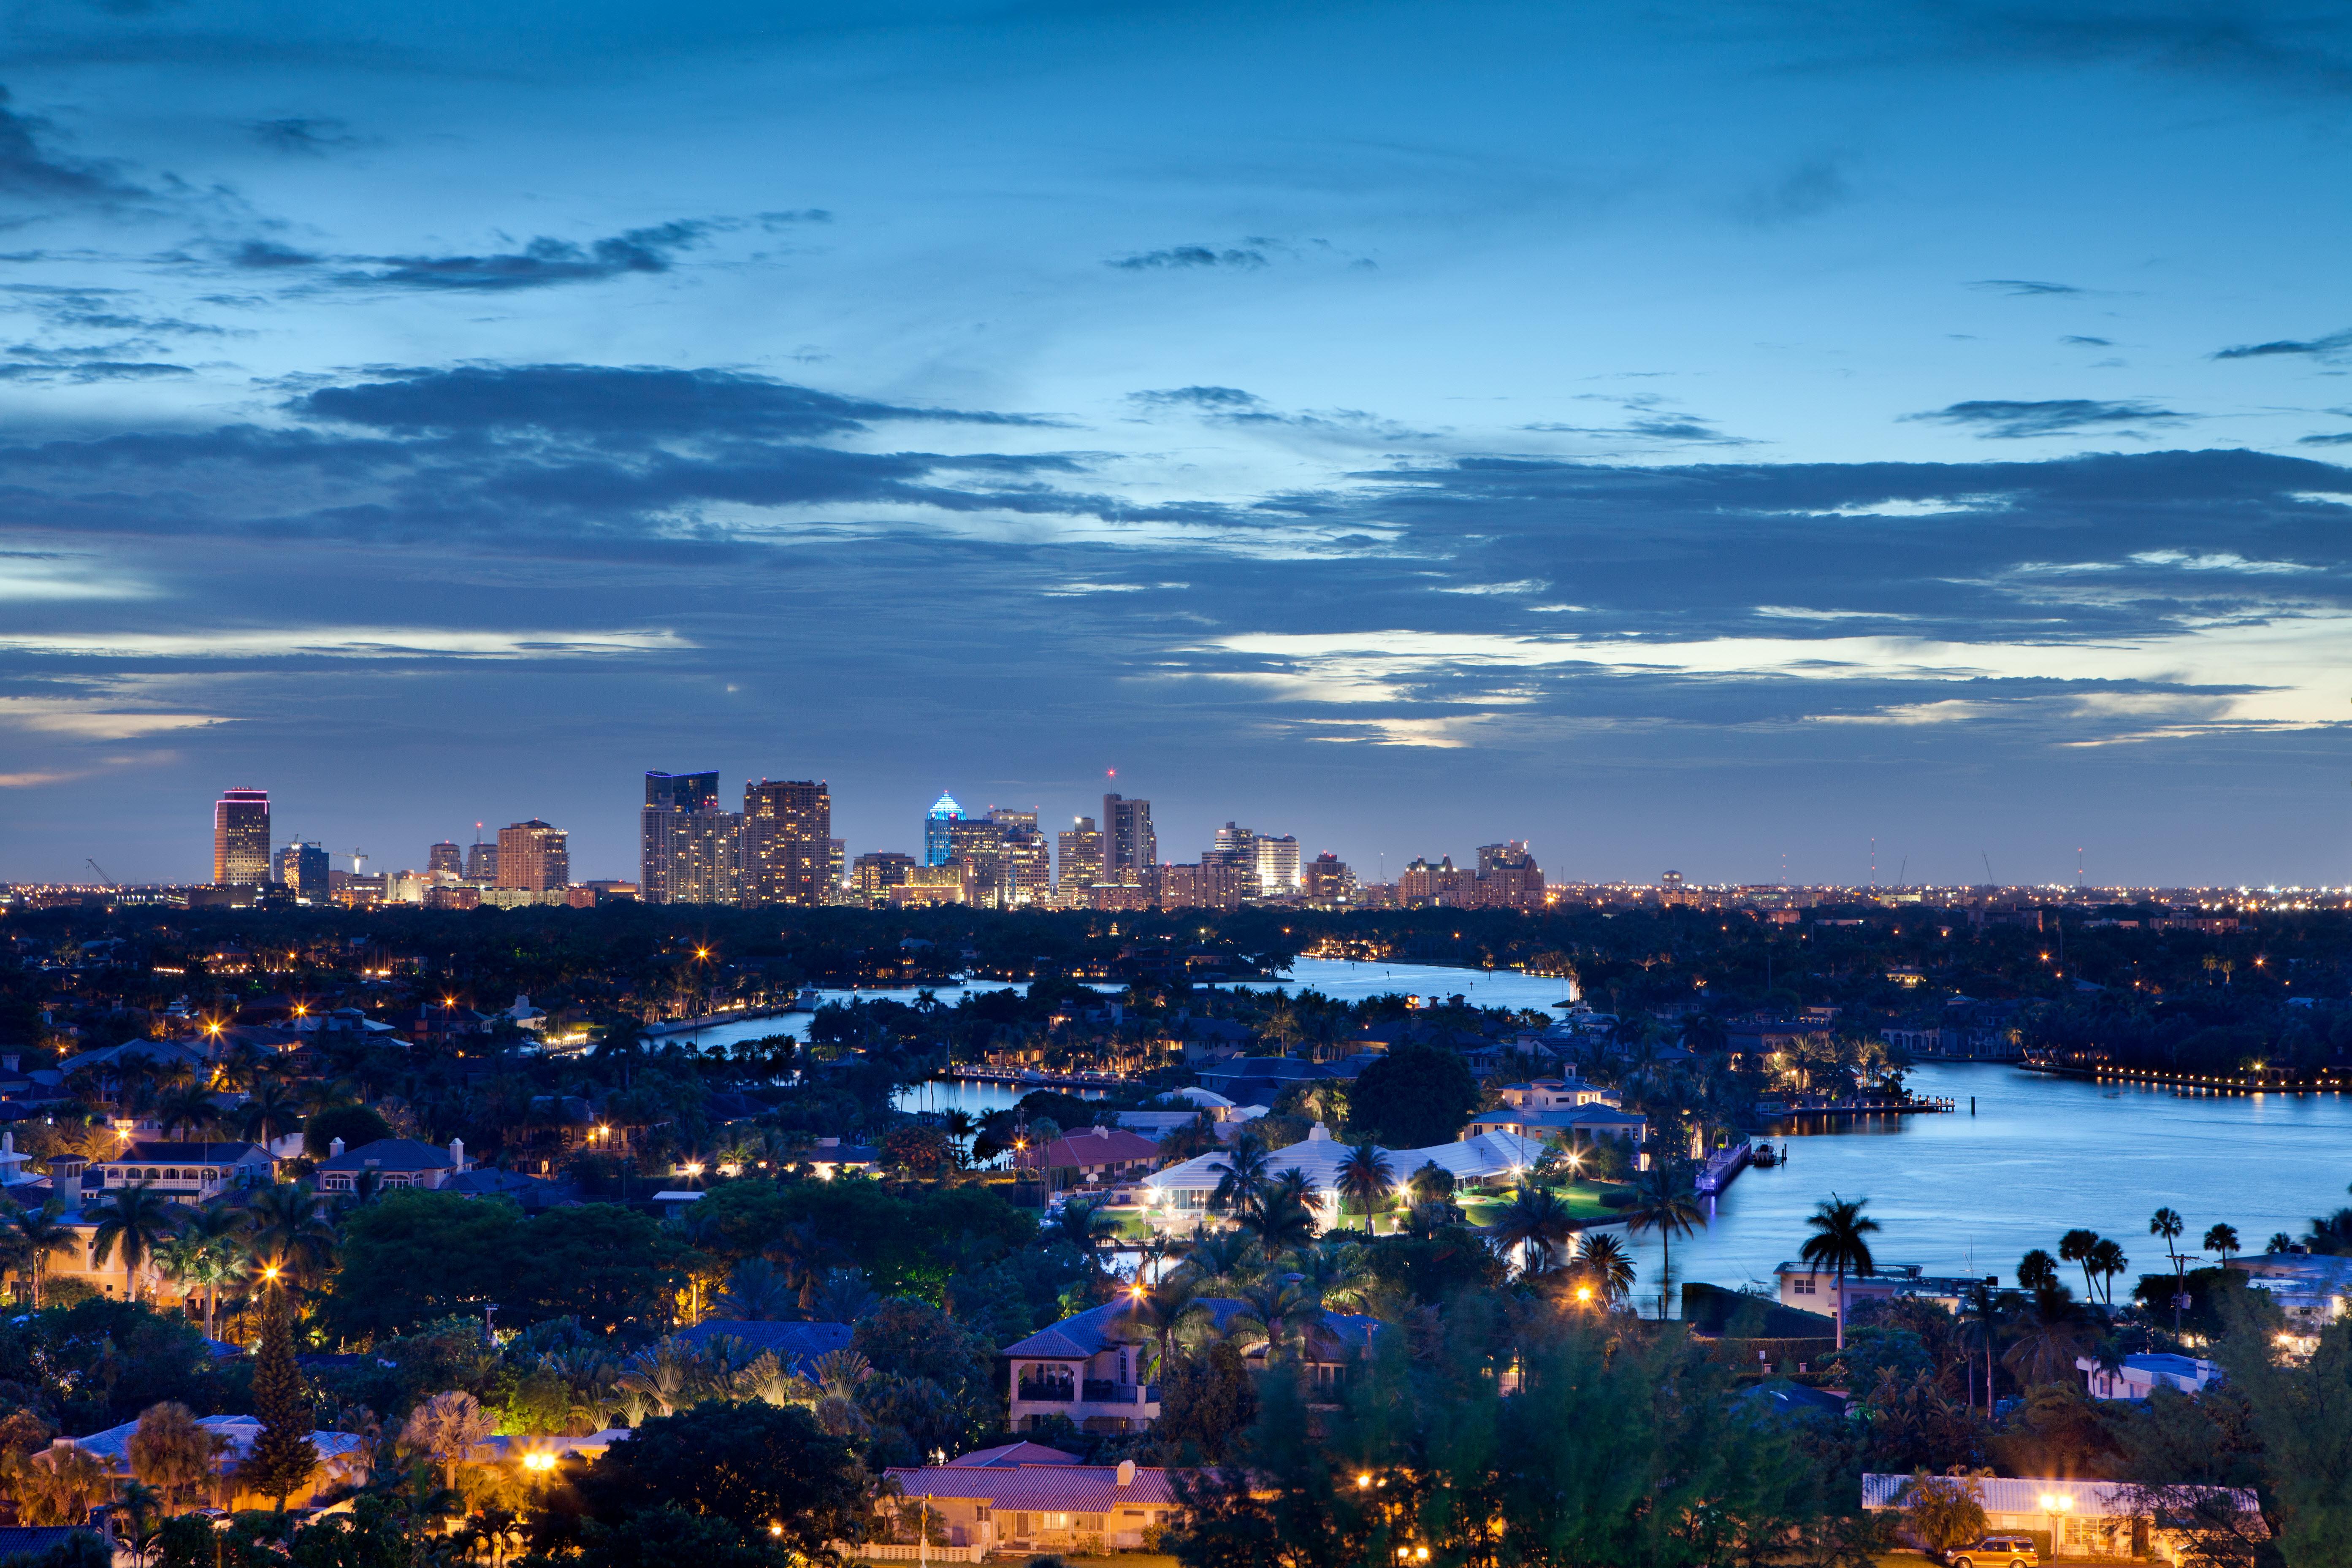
(1052,1391)
(1102,1391)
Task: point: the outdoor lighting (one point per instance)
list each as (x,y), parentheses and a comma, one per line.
(775,1530)
(1584,1292)
(692,1168)
(1363,1481)
(541,1460)
(270,1272)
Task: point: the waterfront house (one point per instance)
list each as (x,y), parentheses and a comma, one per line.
(1091,1155)
(390,1163)
(1091,1369)
(1180,1195)
(1814,1289)
(1555,1094)
(1570,1126)
(186,1172)
(1022,1508)
(2311,1289)
(2141,1375)
(2086,1519)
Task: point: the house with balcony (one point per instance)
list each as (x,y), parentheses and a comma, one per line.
(1581,1124)
(1024,1506)
(186,1172)
(390,1163)
(1092,1369)
(1556,1094)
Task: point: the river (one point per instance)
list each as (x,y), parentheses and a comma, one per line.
(1957,1193)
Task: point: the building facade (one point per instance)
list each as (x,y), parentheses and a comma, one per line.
(241,838)
(446,861)
(789,856)
(303,867)
(938,841)
(1128,842)
(534,858)
(1081,863)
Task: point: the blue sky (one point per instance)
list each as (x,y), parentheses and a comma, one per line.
(1697,435)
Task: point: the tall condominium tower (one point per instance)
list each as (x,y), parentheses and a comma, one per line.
(1128,842)
(481,862)
(445,859)
(534,857)
(1082,858)
(790,855)
(1278,866)
(241,838)
(303,868)
(939,841)
(670,798)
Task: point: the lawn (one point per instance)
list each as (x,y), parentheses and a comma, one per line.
(1582,1198)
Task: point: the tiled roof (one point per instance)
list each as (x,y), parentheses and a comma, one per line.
(1098,1146)
(17,1538)
(224,1152)
(796,1344)
(391,1154)
(1041,1489)
(1011,1454)
(113,1445)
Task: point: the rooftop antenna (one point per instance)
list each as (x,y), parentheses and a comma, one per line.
(1873,865)
(2078,869)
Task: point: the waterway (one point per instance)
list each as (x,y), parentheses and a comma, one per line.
(1961,1194)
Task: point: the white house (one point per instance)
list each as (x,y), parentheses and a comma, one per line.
(1180,1195)
(2141,1375)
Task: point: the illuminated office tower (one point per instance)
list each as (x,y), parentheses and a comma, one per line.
(939,842)
(1278,866)
(669,798)
(482,863)
(303,868)
(874,874)
(1128,842)
(241,838)
(1082,859)
(444,860)
(534,858)
(789,856)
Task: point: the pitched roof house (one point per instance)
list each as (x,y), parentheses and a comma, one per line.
(1026,1507)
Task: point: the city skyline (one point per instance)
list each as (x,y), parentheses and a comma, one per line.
(1685,436)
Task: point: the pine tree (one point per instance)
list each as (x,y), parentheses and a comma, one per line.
(283,1456)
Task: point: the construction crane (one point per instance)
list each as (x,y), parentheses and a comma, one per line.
(103,879)
(358,861)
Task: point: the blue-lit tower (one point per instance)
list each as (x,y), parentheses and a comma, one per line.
(938,846)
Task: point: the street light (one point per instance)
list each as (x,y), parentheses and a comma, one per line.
(540,1459)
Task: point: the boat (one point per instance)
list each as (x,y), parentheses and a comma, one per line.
(805,1001)
(1764,1154)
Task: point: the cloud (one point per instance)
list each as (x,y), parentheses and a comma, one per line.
(304,137)
(344,642)
(1226,400)
(2003,419)
(775,221)
(28,168)
(267,255)
(630,404)
(2081,341)
(2331,344)
(541,264)
(37,366)
(2023,285)
(1186,256)
(94,719)
(2336,438)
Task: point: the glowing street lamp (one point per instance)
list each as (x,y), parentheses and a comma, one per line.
(539,1459)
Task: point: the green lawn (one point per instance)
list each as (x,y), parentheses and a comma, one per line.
(1582,1198)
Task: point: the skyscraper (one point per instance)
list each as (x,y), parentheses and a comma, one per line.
(938,842)
(445,859)
(669,798)
(534,858)
(1082,859)
(303,868)
(481,862)
(1128,842)
(1278,866)
(789,856)
(241,838)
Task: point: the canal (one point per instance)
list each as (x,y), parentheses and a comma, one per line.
(1957,1193)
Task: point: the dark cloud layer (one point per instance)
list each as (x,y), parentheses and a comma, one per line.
(1183,258)
(31,169)
(305,137)
(540,264)
(2334,343)
(2009,420)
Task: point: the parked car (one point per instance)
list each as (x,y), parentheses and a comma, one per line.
(1999,1551)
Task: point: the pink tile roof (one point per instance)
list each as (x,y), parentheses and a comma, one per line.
(1041,1489)
(1096,1146)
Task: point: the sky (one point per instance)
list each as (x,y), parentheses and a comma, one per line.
(1737,439)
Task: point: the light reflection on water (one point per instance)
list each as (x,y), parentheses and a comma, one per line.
(1959,1194)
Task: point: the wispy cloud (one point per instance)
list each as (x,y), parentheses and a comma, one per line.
(2008,420)
(2332,344)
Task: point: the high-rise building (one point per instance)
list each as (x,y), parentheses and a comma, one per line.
(1082,860)
(938,845)
(662,837)
(241,838)
(446,861)
(482,862)
(1007,862)
(873,876)
(1508,878)
(789,856)
(702,856)
(303,867)
(1329,883)
(1128,842)
(1278,866)
(534,858)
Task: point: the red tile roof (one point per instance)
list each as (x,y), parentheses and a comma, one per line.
(1096,1146)
(1041,1489)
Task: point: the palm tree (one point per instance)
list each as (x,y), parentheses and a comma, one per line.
(1603,1265)
(1535,1226)
(1085,1228)
(1333,1271)
(268,1113)
(2279,1241)
(757,1291)
(210,1251)
(1277,1217)
(1274,1312)
(2074,1247)
(188,1107)
(36,1236)
(1980,1330)
(1366,1178)
(2223,1239)
(1432,1183)
(1665,1199)
(960,1126)
(2106,1261)
(2037,1270)
(283,1224)
(1215,1253)
(135,1219)
(1241,1173)
(2167,1224)
(2050,1338)
(1839,1243)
